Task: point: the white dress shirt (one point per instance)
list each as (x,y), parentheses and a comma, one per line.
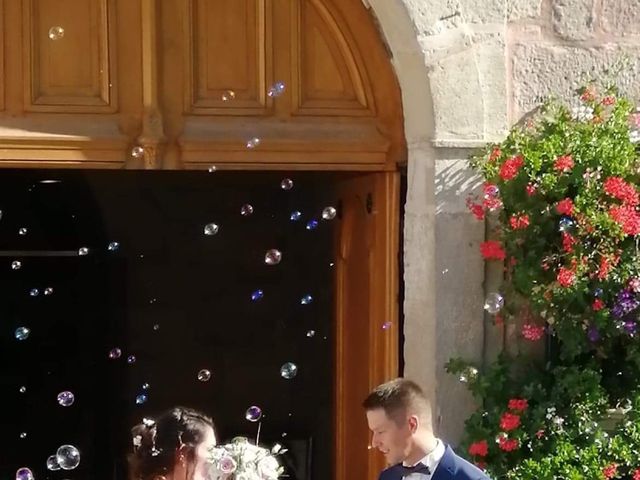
(431,460)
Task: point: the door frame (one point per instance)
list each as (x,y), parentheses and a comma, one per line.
(378,206)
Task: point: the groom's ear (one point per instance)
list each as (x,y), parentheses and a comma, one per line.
(414,423)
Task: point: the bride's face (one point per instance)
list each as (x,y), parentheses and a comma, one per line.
(196,468)
(201,464)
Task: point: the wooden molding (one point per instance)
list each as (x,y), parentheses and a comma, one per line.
(330,78)
(33,141)
(152,137)
(75,72)
(384,321)
(308,143)
(237,36)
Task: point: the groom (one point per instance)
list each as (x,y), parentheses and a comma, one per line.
(399,415)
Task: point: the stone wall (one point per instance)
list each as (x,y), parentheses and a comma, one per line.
(469,69)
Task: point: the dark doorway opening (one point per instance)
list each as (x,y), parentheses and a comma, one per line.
(179,300)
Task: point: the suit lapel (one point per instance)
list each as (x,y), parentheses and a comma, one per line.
(446,469)
(392,473)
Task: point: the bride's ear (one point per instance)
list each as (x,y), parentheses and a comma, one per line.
(184,453)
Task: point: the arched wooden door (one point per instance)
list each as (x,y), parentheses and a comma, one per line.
(83,82)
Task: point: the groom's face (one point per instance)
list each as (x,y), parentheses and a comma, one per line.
(391,437)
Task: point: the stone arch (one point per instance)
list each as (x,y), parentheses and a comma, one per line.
(408,60)
(443,121)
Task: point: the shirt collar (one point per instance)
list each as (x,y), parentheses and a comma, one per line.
(432,459)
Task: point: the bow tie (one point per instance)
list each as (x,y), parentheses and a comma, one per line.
(419,468)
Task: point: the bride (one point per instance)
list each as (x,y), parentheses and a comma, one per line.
(175,446)
(181,445)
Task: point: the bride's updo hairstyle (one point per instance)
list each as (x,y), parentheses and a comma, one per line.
(158,443)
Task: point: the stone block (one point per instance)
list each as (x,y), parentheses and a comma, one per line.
(455,182)
(434,16)
(416,96)
(542,70)
(573,19)
(487,11)
(621,17)
(419,261)
(459,292)
(493,82)
(457,105)
(469,92)
(523,9)
(420,337)
(395,24)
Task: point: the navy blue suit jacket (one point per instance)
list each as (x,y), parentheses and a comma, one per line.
(451,467)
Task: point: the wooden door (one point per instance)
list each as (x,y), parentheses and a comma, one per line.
(366,312)
(157,74)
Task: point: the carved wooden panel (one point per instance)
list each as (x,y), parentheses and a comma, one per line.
(331,79)
(228,41)
(2,16)
(68,60)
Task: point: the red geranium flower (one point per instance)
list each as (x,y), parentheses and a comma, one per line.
(480,449)
(608,100)
(492,250)
(518,404)
(492,203)
(604,269)
(588,95)
(510,168)
(568,241)
(618,188)
(495,154)
(509,421)
(476,209)
(519,222)
(597,305)
(531,189)
(610,471)
(627,217)
(564,163)
(565,207)
(532,332)
(636,475)
(566,277)
(508,445)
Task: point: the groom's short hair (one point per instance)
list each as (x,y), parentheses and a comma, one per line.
(398,398)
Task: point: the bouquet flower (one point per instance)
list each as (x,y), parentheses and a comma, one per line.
(241,460)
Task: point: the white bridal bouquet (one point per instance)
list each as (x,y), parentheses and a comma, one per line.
(241,460)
